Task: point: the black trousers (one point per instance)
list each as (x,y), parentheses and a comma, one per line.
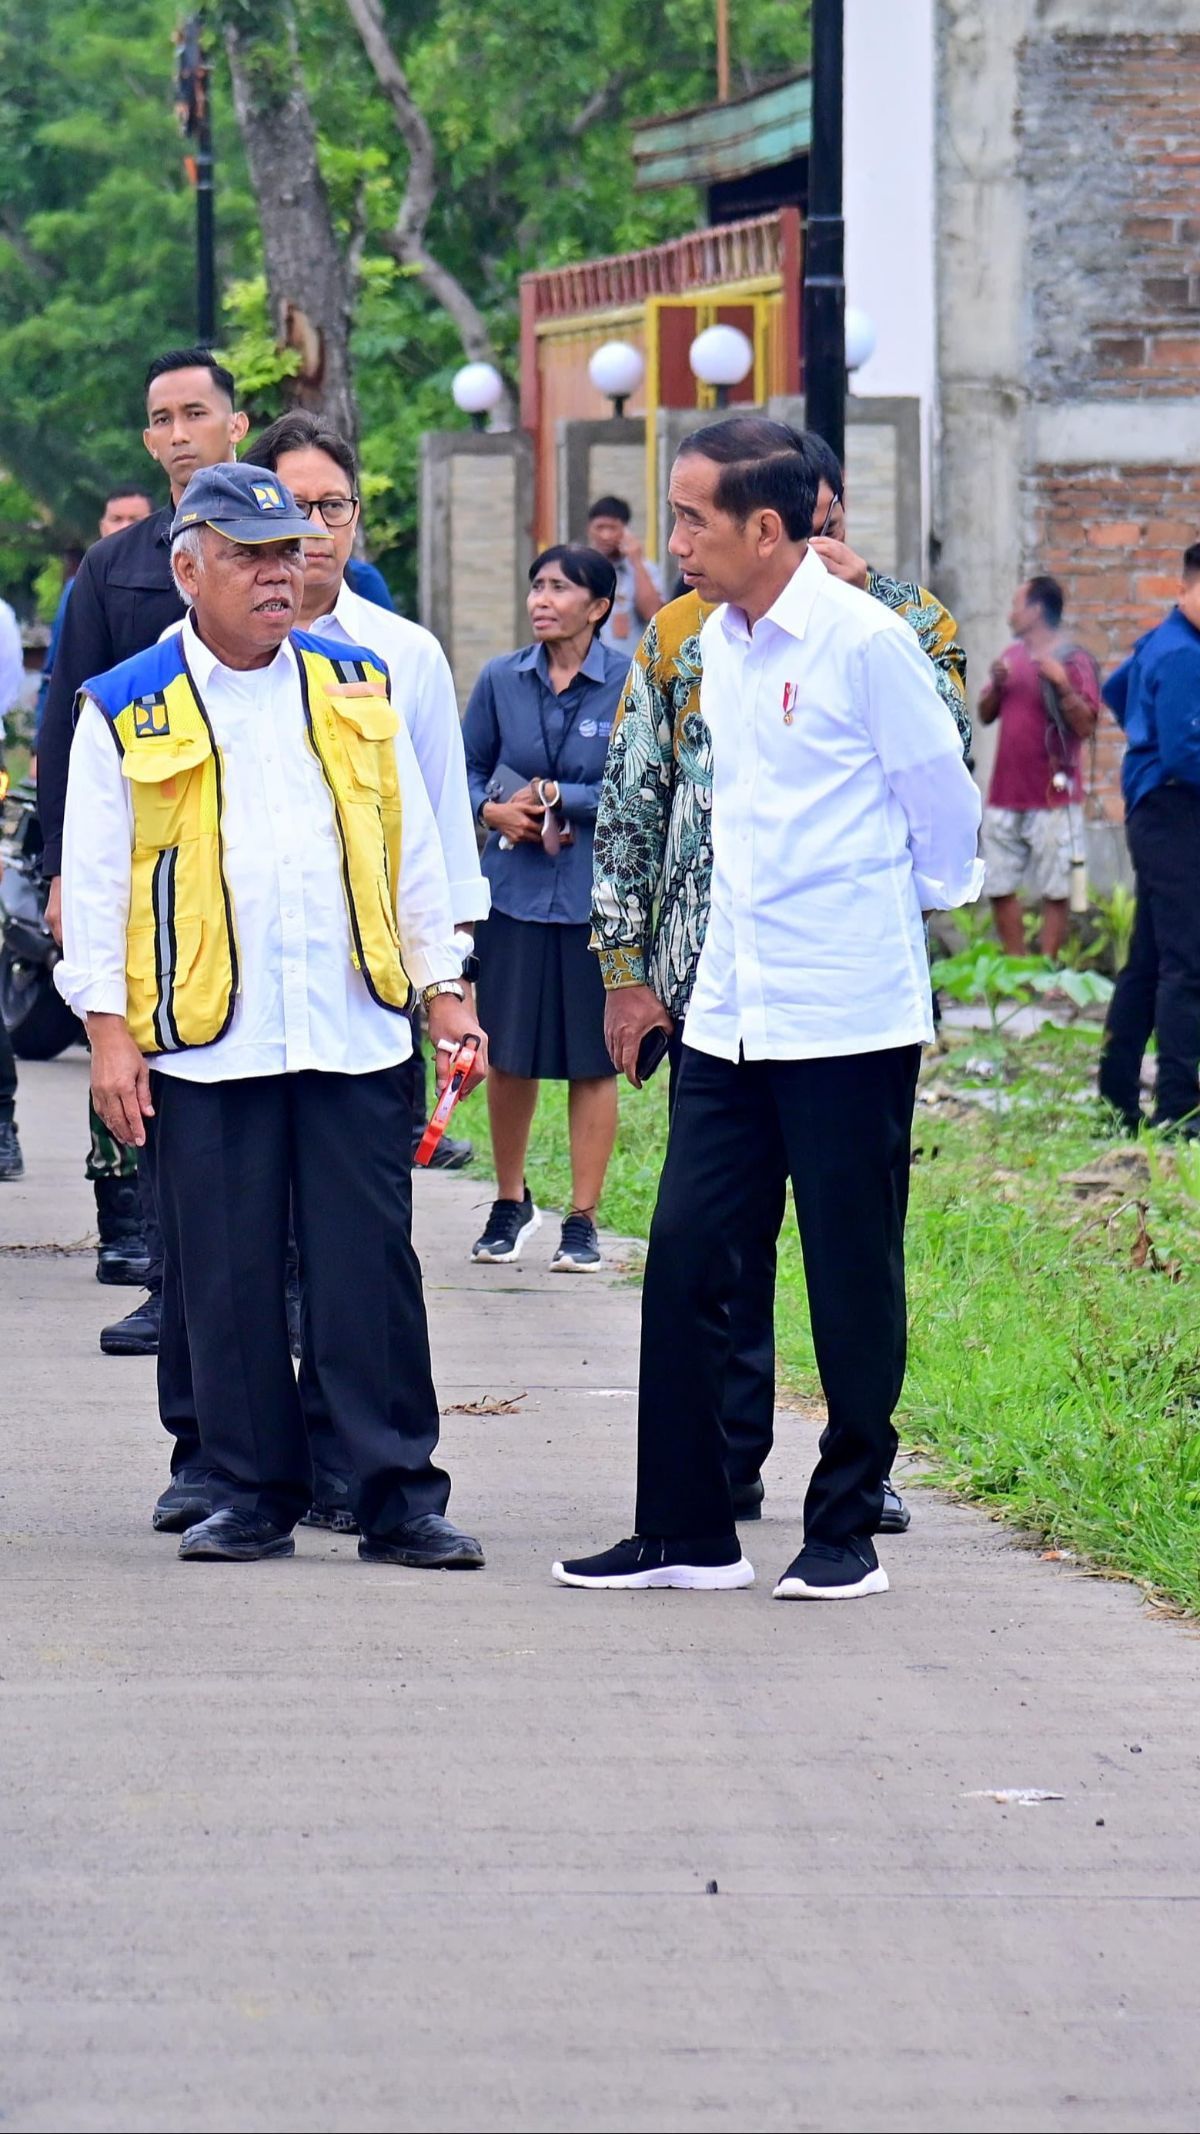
(1164,845)
(332,1480)
(749,1408)
(231,1158)
(1129,1024)
(840,1128)
(8,1075)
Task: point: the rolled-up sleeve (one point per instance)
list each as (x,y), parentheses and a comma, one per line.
(922,762)
(97,848)
(438,741)
(423,911)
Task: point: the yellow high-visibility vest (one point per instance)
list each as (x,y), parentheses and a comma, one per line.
(181,963)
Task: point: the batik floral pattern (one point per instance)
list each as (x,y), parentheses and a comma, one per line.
(653,851)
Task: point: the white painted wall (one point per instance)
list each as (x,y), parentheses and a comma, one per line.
(889,192)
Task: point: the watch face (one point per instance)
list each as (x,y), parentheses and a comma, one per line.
(470,968)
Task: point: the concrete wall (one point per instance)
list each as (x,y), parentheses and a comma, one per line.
(476,545)
(890,201)
(1068,312)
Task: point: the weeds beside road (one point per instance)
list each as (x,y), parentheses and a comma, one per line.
(1054,1369)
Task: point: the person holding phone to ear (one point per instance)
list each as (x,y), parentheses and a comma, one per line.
(536,732)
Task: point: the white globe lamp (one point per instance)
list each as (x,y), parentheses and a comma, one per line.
(477,389)
(616,370)
(721,356)
(860,337)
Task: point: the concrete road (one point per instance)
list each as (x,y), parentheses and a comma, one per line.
(311,1845)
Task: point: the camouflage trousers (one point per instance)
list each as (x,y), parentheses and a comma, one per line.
(108,1157)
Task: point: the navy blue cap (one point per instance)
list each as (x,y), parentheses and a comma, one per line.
(245,504)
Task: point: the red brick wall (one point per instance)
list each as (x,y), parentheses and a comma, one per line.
(1110,130)
(1114,537)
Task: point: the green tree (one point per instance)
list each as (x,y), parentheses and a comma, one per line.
(529,112)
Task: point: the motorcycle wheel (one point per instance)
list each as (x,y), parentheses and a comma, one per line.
(37,1018)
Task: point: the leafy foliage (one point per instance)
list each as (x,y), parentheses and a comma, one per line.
(531,110)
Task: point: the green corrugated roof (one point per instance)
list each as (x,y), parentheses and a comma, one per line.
(726,140)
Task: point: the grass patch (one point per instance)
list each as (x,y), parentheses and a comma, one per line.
(1054,1366)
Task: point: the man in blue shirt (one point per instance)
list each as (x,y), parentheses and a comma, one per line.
(1156,697)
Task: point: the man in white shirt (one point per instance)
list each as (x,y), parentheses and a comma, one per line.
(319,468)
(841,809)
(252,876)
(318,465)
(12,666)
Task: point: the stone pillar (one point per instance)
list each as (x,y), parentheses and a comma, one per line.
(604,458)
(476,545)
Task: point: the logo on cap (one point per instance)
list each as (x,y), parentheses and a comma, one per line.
(267,496)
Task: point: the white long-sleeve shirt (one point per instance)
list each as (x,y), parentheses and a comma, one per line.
(301,1003)
(423,694)
(841,810)
(12,661)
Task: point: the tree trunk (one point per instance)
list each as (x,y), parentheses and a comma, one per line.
(406,239)
(309,282)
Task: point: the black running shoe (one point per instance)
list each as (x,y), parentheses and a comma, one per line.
(895,1518)
(578,1247)
(508,1226)
(824,1573)
(695,1564)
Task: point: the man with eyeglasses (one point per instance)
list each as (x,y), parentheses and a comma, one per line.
(319,468)
(653,868)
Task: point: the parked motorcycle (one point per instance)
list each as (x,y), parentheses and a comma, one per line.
(37,1017)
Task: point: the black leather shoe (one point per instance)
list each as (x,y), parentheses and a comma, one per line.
(895,1517)
(12,1163)
(449,1155)
(429,1543)
(186,1500)
(235,1537)
(748,1498)
(137,1333)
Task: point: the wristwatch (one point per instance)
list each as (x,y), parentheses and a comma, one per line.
(441,985)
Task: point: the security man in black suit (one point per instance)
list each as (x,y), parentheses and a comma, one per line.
(122,600)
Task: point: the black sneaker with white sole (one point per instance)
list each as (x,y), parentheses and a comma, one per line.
(697,1565)
(822,1572)
(578,1247)
(508,1226)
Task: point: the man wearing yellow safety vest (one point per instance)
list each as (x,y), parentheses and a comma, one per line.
(252,886)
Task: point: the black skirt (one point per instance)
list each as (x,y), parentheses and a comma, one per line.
(541,1000)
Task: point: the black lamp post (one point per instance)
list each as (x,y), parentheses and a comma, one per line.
(193,109)
(824,257)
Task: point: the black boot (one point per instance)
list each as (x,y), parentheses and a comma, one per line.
(137,1333)
(121,1255)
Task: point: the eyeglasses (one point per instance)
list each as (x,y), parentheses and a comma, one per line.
(335,510)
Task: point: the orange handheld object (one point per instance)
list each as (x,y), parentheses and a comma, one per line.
(460,1068)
